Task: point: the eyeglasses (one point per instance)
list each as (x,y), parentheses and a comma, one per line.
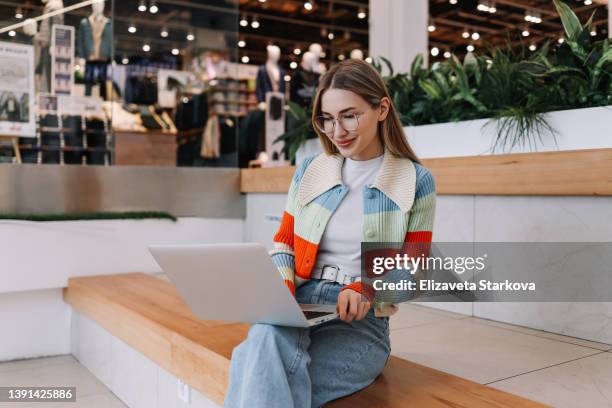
(348,122)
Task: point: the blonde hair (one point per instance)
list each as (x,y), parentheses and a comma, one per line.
(361,78)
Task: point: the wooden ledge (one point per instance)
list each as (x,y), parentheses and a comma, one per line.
(572,172)
(147,313)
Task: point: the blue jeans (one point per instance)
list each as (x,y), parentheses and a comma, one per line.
(292,367)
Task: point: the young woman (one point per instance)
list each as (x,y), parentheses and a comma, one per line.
(368,186)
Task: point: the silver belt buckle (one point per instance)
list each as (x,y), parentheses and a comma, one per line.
(335,267)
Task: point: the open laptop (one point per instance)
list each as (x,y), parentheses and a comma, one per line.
(236,283)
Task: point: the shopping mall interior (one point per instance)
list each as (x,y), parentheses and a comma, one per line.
(130,125)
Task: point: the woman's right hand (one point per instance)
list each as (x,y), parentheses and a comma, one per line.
(351,305)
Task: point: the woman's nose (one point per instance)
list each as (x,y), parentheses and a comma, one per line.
(339,130)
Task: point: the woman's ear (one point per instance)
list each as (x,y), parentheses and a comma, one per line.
(384,108)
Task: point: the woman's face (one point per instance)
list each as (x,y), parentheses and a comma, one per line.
(362,143)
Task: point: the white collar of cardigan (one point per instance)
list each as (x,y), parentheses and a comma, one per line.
(396,178)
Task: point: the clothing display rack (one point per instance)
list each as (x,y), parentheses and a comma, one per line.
(68,139)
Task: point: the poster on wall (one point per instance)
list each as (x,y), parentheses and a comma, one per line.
(168,82)
(62,59)
(17,90)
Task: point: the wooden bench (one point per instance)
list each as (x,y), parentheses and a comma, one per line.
(147,313)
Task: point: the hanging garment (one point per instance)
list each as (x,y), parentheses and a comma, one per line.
(86,45)
(264,83)
(211,139)
(95,74)
(303,87)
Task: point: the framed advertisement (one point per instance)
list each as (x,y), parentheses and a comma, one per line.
(17,90)
(62,59)
(275,126)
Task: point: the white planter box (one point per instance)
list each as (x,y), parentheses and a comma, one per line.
(589,128)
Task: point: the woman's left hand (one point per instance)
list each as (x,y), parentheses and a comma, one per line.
(351,305)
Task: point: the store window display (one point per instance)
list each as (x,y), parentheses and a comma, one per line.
(94,47)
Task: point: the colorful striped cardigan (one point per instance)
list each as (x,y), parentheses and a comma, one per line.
(398,207)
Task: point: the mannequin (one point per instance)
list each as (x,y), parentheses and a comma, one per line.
(270,76)
(317,66)
(42,42)
(357,54)
(94,43)
(305,80)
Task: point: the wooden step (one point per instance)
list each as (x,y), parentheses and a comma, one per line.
(147,313)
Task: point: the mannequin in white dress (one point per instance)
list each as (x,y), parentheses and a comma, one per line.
(270,76)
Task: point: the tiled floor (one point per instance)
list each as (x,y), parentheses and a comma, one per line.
(57,371)
(557,370)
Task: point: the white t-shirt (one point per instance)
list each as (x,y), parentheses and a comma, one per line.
(341,241)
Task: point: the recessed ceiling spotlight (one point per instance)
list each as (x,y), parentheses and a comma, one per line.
(142,6)
(447,54)
(435,51)
(297,51)
(431,27)
(175,51)
(190,36)
(287,78)
(532,47)
(164,32)
(453,2)
(125,61)
(593,32)
(330,36)
(18,13)
(561,40)
(465,33)
(308,5)
(525,33)
(470,48)
(244,22)
(255,23)
(341,57)
(588,2)
(132,28)
(293,65)
(12,33)
(146,48)
(242,43)
(475,36)
(361,14)
(368,60)
(153,7)
(245,59)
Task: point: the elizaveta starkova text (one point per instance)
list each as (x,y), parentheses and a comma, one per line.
(431,285)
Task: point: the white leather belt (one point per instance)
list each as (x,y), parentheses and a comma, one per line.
(333,273)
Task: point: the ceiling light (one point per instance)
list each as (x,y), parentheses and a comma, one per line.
(452,1)
(447,54)
(146,48)
(142,6)
(435,51)
(341,57)
(244,22)
(323,54)
(588,2)
(262,1)
(465,33)
(525,33)
(297,51)
(190,37)
(431,28)
(330,36)
(125,61)
(308,5)
(242,43)
(245,59)
(593,32)
(18,13)
(287,78)
(153,7)
(175,51)
(470,48)
(132,28)
(164,32)
(361,14)
(475,36)
(532,47)
(528,16)
(492,8)
(368,60)
(561,40)
(323,32)
(293,65)
(482,7)
(12,33)
(255,23)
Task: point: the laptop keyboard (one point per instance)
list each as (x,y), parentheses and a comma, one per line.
(311,315)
